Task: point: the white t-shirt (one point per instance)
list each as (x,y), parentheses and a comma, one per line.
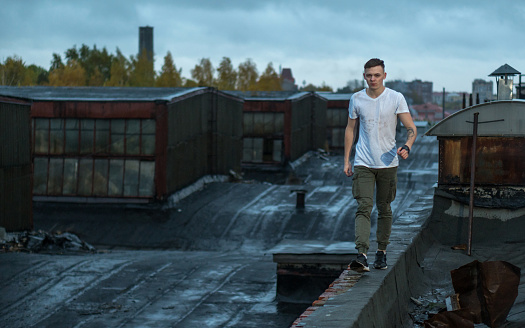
(376,146)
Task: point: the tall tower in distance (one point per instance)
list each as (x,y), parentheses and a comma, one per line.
(146,41)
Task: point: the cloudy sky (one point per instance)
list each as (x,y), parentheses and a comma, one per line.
(447,42)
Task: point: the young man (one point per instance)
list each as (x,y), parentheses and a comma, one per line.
(376,158)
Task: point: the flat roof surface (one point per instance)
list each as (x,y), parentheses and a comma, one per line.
(268,95)
(44,93)
(335,96)
(206,259)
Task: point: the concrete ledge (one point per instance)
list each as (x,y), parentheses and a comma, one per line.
(380,298)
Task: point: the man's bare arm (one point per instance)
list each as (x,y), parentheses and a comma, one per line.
(349,141)
(407,121)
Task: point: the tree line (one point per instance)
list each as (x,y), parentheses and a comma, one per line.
(87,66)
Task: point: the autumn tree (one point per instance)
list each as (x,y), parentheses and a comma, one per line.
(169,75)
(311,87)
(96,63)
(56,62)
(227,77)
(203,72)
(189,83)
(13,72)
(247,76)
(142,73)
(269,80)
(119,72)
(71,75)
(37,75)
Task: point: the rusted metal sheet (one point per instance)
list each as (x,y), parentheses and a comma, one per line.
(499,161)
(93,109)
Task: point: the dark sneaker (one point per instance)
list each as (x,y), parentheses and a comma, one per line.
(380,262)
(360,264)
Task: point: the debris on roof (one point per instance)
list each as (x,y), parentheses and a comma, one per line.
(43,242)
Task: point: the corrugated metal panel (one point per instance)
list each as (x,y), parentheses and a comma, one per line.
(204,137)
(16,198)
(15,167)
(15,134)
(499,118)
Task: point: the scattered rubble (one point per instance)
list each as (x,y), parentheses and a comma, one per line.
(43,242)
(485,293)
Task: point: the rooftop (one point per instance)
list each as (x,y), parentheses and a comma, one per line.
(43,93)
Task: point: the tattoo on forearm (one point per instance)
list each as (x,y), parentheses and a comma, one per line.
(410,134)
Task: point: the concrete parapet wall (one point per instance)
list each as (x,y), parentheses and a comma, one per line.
(381,298)
(450,221)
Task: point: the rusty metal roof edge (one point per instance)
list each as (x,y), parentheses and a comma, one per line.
(440,124)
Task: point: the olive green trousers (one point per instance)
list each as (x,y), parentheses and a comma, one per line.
(365,182)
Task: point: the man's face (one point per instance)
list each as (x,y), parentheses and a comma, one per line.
(374,77)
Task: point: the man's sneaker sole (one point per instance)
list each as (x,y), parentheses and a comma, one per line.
(358,267)
(380,268)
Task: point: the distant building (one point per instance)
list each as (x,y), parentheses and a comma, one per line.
(484,89)
(287,80)
(416,92)
(428,112)
(336,118)
(106,144)
(356,84)
(146,41)
(280,126)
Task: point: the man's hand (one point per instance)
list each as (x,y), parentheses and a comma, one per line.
(403,151)
(348,170)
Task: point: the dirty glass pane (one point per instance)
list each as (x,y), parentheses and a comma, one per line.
(147,175)
(258,123)
(338,135)
(87,133)
(102,136)
(117,136)
(72,135)
(279,123)
(148,137)
(277,150)
(116,174)
(131,178)
(70,176)
(343,117)
(258,149)
(85,177)
(40,176)
(148,144)
(56,136)
(54,184)
(247,123)
(268,123)
(247,146)
(330,117)
(100,177)
(133,137)
(41,135)
(148,126)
